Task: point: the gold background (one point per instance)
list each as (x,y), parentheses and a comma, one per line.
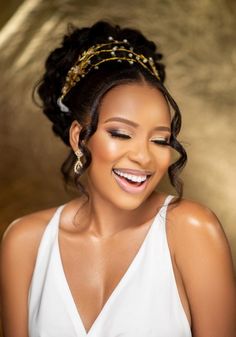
(198,41)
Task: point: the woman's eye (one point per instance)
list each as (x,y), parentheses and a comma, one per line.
(161,141)
(118,134)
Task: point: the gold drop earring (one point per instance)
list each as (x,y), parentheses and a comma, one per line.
(78,164)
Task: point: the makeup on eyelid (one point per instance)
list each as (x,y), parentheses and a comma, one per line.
(119,134)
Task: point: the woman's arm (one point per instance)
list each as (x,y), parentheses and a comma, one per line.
(18,252)
(15,274)
(204,260)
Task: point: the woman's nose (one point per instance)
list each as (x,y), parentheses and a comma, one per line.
(140,153)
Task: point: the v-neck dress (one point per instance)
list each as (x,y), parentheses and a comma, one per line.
(145,302)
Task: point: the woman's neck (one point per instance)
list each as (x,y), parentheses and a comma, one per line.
(103,219)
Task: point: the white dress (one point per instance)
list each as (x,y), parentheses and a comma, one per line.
(145,303)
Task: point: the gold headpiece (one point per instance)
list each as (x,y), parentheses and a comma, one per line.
(113,50)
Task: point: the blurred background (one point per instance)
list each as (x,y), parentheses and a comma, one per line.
(198,41)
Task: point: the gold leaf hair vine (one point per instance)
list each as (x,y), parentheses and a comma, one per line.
(109,51)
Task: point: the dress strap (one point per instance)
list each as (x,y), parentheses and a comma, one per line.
(164,207)
(55,220)
(168,199)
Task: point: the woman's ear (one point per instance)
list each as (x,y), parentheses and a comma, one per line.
(74,134)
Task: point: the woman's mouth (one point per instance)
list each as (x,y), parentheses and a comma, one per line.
(132,183)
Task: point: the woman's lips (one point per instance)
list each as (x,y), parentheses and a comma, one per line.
(135,172)
(130,187)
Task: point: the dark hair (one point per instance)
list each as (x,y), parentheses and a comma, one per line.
(84,99)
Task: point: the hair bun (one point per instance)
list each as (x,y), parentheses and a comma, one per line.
(63,58)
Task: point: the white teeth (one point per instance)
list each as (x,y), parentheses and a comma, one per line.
(137,179)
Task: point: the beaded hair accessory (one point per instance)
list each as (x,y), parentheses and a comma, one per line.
(98,54)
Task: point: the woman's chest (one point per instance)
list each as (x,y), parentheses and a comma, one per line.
(94,269)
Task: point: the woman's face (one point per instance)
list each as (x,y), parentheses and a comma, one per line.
(129,149)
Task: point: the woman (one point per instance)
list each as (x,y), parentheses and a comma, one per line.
(122,259)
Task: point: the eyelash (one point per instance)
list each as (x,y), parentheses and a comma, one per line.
(124,136)
(118,134)
(161,142)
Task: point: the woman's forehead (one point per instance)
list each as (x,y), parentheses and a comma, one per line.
(135,101)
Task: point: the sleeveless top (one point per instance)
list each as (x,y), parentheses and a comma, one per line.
(145,302)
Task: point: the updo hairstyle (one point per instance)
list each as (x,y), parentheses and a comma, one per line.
(84,99)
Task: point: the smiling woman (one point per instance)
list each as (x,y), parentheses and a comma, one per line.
(125,135)
(123,258)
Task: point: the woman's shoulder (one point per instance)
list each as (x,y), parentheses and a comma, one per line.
(25,232)
(28,226)
(192,224)
(195,235)
(21,239)
(192,217)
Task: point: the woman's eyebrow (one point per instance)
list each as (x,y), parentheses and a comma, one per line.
(162,128)
(123,120)
(127,121)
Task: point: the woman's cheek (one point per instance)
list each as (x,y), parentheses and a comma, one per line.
(168,155)
(112,150)
(164,157)
(105,148)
